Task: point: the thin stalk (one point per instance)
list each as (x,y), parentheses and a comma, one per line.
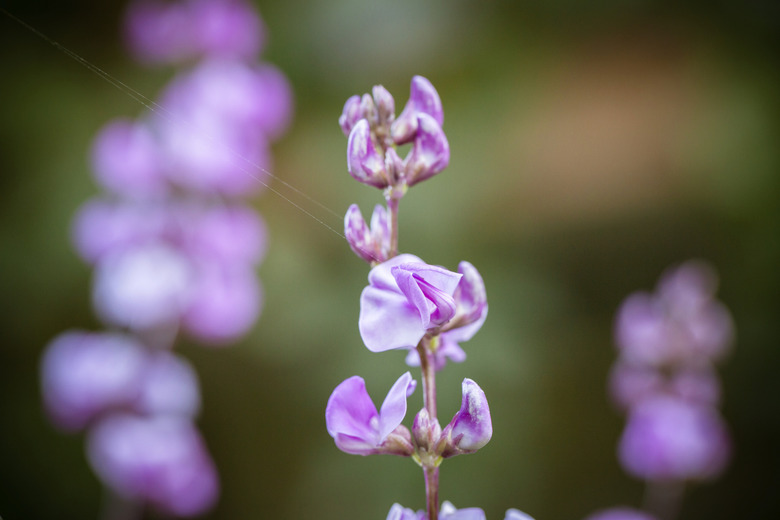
(392,207)
(430,472)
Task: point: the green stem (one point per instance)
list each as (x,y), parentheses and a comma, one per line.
(430,472)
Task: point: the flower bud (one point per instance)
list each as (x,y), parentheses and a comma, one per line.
(430,152)
(423,99)
(425,431)
(364,162)
(394,166)
(350,115)
(470,428)
(372,245)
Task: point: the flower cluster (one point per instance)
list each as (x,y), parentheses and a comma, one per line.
(408,304)
(173,247)
(664,379)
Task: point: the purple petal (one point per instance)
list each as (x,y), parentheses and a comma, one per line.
(85,374)
(351,412)
(385,104)
(429,289)
(423,99)
(393,408)
(399,512)
(365,164)
(388,321)
(225,28)
(430,152)
(228,234)
(274,100)
(161,460)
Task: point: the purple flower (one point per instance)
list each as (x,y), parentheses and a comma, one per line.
(357,428)
(161,460)
(364,162)
(143,287)
(680,323)
(423,99)
(620,513)
(84,374)
(430,152)
(371,244)
(668,438)
(471,428)
(448,512)
(162,32)
(224,302)
(126,161)
(404,300)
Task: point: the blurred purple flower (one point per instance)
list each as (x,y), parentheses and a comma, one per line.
(353,422)
(516,514)
(423,99)
(669,438)
(143,287)
(448,512)
(471,428)
(371,244)
(161,460)
(404,300)
(126,161)
(84,374)
(680,323)
(170,33)
(227,235)
(620,513)
(169,387)
(224,302)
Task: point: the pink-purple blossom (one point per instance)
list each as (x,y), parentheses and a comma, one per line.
(423,99)
(405,299)
(372,244)
(356,426)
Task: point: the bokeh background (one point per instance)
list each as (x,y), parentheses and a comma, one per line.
(593,145)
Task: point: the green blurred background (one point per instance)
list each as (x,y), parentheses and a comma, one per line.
(593,145)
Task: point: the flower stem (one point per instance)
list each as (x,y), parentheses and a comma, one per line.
(392,207)
(430,472)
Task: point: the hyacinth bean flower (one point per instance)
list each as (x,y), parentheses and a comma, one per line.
(470,313)
(423,99)
(372,244)
(161,460)
(620,513)
(471,428)
(680,323)
(667,438)
(356,426)
(405,299)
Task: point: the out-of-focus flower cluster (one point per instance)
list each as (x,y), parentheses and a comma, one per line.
(664,377)
(665,381)
(173,247)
